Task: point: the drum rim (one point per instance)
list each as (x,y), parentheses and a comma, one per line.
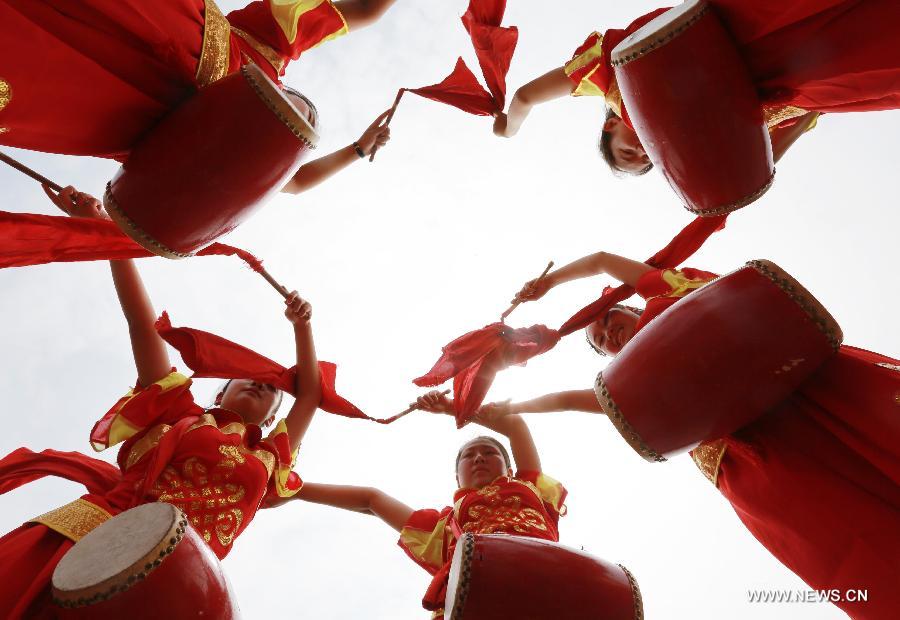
(122,582)
(626,430)
(800,295)
(465,576)
(137,234)
(280,105)
(621,55)
(734,206)
(636,597)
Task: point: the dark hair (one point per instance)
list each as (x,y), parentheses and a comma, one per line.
(280,394)
(314,112)
(491,440)
(604,144)
(587,336)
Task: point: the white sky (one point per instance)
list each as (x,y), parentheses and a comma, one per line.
(429,242)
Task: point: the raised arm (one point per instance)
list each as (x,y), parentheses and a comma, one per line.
(150,356)
(361,13)
(318,170)
(571,400)
(366,500)
(622,269)
(308,388)
(554,84)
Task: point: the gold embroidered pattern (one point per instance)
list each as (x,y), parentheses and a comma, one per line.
(5,93)
(503,514)
(708,456)
(264,50)
(74,520)
(776,116)
(145,444)
(214,55)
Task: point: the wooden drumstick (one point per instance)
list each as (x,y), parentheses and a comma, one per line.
(410,409)
(387,121)
(275,284)
(28,171)
(517,302)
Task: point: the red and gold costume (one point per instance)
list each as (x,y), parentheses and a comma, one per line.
(816,480)
(529,504)
(89,77)
(210,464)
(803,56)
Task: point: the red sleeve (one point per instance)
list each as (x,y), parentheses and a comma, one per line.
(425,538)
(551,491)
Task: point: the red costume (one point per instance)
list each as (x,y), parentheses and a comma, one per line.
(807,55)
(817,480)
(210,464)
(529,504)
(89,77)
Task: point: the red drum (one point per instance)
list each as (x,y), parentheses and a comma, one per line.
(146,562)
(500,576)
(695,109)
(717,360)
(209,164)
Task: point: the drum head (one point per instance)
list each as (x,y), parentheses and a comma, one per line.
(458,581)
(659,31)
(115,546)
(280,104)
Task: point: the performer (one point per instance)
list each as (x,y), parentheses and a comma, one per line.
(817,481)
(531,501)
(213,464)
(90,77)
(798,55)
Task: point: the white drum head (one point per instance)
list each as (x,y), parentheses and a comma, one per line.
(458,580)
(658,31)
(280,105)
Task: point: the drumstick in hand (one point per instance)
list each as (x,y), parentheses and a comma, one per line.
(275,284)
(387,121)
(28,171)
(408,410)
(517,302)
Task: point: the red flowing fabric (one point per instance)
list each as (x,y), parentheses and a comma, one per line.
(474,359)
(211,356)
(29,239)
(494,47)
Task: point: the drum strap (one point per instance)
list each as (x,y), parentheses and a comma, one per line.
(75,519)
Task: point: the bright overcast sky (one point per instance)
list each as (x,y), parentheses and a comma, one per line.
(429,242)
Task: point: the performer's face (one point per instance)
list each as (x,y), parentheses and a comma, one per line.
(628,153)
(613,332)
(255,402)
(480,462)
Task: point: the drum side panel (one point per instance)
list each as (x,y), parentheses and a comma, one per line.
(715,361)
(696,111)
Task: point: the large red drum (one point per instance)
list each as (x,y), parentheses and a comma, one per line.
(145,563)
(695,109)
(209,164)
(717,360)
(497,576)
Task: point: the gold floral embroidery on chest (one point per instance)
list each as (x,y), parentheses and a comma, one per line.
(498,513)
(208,497)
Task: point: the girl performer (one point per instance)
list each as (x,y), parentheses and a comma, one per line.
(481,504)
(816,481)
(805,57)
(213,464)
(89,77)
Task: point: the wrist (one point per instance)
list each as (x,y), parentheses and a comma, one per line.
(359,150)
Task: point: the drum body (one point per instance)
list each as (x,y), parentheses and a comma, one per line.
(695,109)
(500,576)
(717,360)
(209,164)
(145,563)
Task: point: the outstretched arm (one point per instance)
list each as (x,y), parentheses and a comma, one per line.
(308,389)
(622,269)
(150,356)
(318,170)
(361,13)
(571,400)
(552,85)
(366,500)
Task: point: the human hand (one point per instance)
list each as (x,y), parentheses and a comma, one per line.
(435,402)
(534,289)
(76,204)
(298,311)
(376,135)
(496,416)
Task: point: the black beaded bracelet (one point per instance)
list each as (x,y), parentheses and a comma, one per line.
(359,151)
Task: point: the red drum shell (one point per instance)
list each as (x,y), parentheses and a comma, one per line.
(717,360)
(695,109)
(209,164)
(187,583)
(500,576)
